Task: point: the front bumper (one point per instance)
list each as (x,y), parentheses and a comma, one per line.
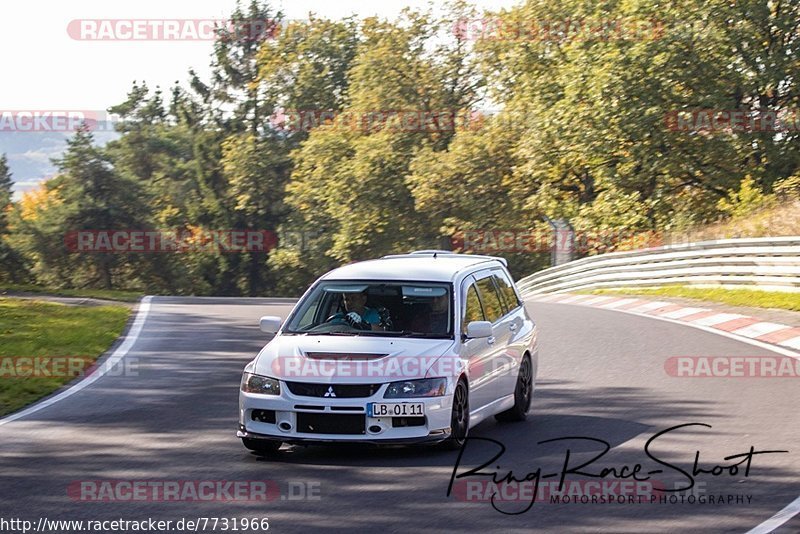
(287,412)
(435,436)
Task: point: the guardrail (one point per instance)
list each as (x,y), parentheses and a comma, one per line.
(771,263)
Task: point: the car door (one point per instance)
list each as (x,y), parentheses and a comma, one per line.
(477,352)
(512,323)
(498,362)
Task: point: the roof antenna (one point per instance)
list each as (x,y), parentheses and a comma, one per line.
(434,255)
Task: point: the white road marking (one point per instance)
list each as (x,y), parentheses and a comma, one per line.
(621,302)
(548,297)
(778,519)
(683,312)
(793,342)
(574,299)
(759,329)
(596,300)
(650,306)
(108,364)
(711,320)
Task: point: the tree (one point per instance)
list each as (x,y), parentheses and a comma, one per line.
(350,175)
(12,265)
(5,193)
(87,195)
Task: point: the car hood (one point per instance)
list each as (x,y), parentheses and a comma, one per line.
(348,359)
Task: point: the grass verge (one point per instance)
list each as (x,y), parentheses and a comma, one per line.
(106,294)
(30,328)
(736,297)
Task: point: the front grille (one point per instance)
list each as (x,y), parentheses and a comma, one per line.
(399,422)
(347,356)
(339,391)
(318,423)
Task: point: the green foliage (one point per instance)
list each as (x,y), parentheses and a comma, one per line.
(745,201)
(5,193)
(788,188)
(12,265)
(566,109)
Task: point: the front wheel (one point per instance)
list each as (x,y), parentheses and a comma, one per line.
(522,394)
(459,419)
(262,447)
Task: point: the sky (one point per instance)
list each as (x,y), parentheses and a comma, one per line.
(53,71)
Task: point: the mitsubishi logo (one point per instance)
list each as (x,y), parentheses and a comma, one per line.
(330,392)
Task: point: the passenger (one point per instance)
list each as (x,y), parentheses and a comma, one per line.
(435,319)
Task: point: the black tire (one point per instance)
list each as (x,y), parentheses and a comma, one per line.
(523,393)
(459,418)
(262,447)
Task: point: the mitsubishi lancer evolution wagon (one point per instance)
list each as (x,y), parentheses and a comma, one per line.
(407,348)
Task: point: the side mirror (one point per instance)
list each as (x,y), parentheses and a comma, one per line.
(476,329)
(270,324)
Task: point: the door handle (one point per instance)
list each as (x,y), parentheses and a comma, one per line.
(490,340)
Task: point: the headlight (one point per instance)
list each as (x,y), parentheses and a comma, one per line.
(263,385)
(428,387)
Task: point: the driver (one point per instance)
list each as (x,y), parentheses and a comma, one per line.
(357,314)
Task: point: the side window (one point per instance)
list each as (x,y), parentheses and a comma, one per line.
(492,306)
(308,316)
(506,287)
(507,306)
(472,310)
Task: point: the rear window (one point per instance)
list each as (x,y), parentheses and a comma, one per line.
(493,308)
(507,289)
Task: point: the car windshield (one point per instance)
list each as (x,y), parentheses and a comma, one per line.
(417,309)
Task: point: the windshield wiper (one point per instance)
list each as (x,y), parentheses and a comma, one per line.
(410,333)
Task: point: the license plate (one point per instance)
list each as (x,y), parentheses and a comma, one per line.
(395,409)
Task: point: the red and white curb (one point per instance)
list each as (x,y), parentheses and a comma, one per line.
(730,323)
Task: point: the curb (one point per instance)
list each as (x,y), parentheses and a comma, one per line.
(733,324)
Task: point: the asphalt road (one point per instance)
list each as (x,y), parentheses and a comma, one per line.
(173,417)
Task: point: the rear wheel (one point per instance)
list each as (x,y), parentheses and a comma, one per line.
(459,419)
(262,447)
(522,394)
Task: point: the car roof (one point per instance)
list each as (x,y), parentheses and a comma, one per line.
(431,266)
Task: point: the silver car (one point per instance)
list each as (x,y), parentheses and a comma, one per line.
(408,348)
